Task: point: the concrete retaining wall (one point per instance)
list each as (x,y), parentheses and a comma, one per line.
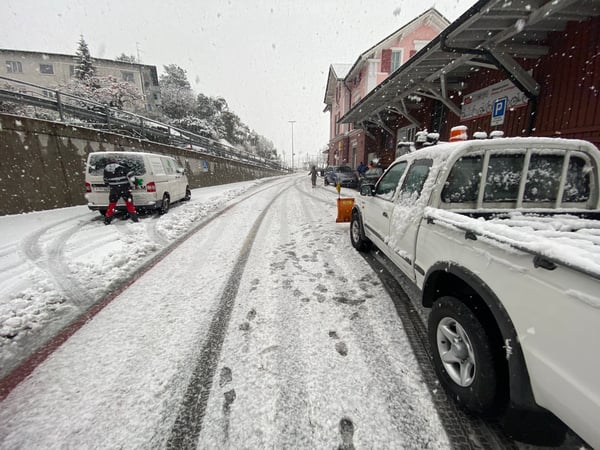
(42,164)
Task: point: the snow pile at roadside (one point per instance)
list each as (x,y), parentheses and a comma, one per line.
(56,264)
(171,226)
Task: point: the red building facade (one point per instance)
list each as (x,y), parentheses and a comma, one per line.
(547,72)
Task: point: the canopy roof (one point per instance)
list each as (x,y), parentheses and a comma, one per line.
(490,34)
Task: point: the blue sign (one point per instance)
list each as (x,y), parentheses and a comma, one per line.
(498,111)
(205,166)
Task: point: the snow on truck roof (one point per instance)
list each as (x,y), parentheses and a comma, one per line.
(445,150)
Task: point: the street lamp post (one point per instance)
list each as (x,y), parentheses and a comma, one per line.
(292,122)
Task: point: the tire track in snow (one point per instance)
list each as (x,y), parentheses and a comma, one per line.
(51,260)
(293,364)
(188,424)
(31,248)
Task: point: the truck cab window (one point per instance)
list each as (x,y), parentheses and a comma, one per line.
(462,184)
(577,185)
(416,176)
(389,181)
(503,177)
(543,178)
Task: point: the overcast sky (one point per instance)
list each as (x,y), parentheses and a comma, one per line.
(268,58)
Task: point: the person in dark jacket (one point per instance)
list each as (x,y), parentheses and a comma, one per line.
(313,175)
(119,179)
(362,168)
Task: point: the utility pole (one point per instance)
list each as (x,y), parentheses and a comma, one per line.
(292,122)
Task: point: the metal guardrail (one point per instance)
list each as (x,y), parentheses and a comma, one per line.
(96,115)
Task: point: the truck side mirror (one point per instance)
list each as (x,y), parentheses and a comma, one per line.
(367,189)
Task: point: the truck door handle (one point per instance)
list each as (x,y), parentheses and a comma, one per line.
(385,214)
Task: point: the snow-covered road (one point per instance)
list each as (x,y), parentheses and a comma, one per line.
(263,329)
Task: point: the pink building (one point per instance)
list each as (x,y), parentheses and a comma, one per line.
(347,84)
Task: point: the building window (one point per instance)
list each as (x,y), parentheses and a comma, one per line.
(127,76)
(396,59)
(14,67)
(47,69)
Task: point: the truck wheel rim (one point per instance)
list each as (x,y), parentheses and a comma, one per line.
(355,231)
(456,352)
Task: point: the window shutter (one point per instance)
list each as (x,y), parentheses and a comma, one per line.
(386,60)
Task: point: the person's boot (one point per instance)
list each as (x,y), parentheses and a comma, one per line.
(134,217)
(107,220)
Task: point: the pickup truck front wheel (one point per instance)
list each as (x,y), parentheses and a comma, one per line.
(462,355)
(357,234)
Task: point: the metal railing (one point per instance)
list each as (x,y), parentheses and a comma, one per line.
(91,114)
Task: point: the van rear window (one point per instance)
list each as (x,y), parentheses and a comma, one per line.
(98,161)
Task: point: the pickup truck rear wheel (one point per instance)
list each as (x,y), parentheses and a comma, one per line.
(357,234)
(462,355)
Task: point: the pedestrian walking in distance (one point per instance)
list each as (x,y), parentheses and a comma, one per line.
(119,179)
(313,175)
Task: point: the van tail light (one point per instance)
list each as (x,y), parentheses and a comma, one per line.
(88,187)
(151,187)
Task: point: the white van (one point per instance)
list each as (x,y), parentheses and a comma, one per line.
(160,181)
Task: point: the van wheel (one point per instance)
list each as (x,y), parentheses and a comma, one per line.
(166,203)
(188,194)
(463,357)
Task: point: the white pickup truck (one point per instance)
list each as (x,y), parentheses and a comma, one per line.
(502,238)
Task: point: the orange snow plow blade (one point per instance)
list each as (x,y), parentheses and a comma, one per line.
(345,206)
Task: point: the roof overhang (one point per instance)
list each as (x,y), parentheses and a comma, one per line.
(490,34)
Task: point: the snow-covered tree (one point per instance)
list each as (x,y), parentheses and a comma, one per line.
(106,90)
(207,116)
(126,58)
(176,93)
(175,76)
(84,64)
(198,126)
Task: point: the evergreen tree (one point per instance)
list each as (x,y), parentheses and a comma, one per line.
(84,67)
